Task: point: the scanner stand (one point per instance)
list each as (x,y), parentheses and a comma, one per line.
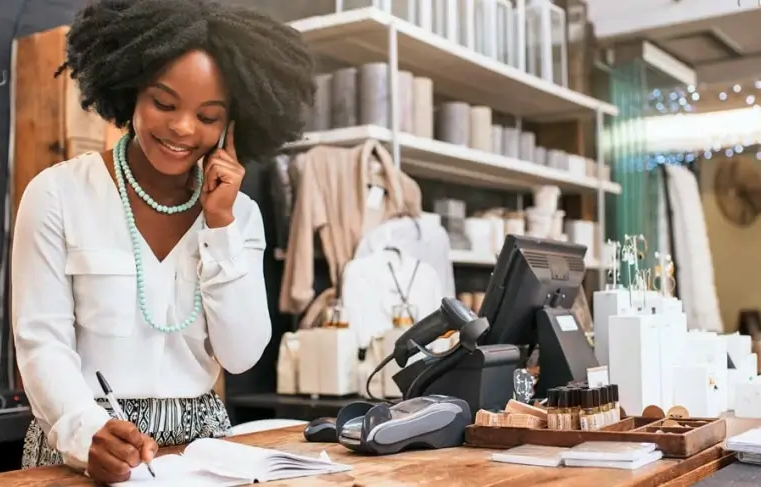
(483,378)
(564,352)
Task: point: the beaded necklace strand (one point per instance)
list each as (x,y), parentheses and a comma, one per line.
(121,170)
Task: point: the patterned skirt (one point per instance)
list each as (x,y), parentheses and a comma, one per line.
(168,421)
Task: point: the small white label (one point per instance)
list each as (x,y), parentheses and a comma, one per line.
(598,376)
(375,197)
(567,323)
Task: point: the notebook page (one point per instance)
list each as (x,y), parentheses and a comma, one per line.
(176,470)
(260,464)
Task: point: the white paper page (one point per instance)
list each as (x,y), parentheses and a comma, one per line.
(176,470)
(260,464)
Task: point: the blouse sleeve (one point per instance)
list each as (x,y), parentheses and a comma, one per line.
(43,326)
(231,278)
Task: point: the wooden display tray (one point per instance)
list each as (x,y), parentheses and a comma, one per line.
(673,442)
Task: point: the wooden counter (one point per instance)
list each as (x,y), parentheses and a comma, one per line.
(462,466)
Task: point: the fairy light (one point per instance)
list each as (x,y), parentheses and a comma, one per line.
(681,100)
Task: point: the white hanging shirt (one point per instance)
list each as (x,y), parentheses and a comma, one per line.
(421,238)
(369,293)
(75,308)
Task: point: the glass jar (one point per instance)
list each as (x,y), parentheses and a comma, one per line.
(546,42)
(403,315)
(335,315)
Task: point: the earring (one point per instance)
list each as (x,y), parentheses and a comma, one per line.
(666,282)
(613,263)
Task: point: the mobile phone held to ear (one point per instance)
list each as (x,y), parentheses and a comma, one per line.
(221,143)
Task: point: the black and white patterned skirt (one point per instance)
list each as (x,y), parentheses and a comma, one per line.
(168,421)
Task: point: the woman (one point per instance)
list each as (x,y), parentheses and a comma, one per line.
(145,262)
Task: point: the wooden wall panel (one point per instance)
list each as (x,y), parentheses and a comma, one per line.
(39,108)
(50,125)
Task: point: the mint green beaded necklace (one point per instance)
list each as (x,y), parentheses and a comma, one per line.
(121,170)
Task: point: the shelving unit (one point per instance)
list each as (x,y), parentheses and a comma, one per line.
(446,162)
(371,34)
(469,257)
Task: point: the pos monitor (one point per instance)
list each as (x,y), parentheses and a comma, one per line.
(528,302)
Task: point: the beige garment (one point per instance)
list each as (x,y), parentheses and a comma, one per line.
(331,199)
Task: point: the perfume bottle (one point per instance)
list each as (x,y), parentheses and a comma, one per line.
(403,315)
(335,315)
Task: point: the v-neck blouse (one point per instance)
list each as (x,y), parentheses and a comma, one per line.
(75,309)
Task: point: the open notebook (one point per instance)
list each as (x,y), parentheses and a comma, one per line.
(220,463)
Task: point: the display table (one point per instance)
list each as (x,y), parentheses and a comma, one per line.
(453,467)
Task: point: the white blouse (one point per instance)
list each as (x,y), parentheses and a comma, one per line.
(75,309)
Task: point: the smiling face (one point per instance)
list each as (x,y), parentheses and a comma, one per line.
(180,117)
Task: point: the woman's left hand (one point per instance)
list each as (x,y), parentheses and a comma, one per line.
(221,182)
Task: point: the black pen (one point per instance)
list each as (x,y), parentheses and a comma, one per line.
(117,409)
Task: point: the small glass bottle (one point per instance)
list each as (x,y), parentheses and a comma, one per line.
(591,418)
(597,405)
(403,315)
(605,408)
(564,409)
(587,415)
(335,315)
(614,401)
(552,409)
(575,408)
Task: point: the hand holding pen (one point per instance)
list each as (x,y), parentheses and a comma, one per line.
(118,446)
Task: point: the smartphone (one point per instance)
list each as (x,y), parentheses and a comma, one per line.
(221,143)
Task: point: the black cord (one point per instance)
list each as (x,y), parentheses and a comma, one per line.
(416,381)
(431,373)
(377,369)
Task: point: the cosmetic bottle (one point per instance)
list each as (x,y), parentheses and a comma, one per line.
(614,402)
(591,417)
(552,409)
(605,409)
(575,403)
(564,409)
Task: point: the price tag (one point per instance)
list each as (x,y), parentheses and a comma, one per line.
(598,376)
(375,197)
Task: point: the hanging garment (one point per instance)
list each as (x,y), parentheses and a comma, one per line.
(422,239)
(371,291)
(340,197)
(694,268)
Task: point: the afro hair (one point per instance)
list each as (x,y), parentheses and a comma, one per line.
(117,47)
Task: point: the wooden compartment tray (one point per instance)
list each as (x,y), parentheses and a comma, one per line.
(694,436)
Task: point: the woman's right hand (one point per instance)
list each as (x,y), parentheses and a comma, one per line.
(116,449)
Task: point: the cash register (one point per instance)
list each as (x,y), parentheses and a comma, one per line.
(527,304)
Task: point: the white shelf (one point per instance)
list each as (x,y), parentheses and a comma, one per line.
(433,159)
(468,257)
(361,36)
(463,257)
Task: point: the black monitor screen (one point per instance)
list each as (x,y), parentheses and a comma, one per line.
(530,273)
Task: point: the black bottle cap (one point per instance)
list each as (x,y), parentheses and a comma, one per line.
(552,398)
(576,397)
(613,392)
(586,399)
(604,395)
(595,397)
(564,398)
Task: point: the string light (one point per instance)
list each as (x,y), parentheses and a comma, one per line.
(680,100)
